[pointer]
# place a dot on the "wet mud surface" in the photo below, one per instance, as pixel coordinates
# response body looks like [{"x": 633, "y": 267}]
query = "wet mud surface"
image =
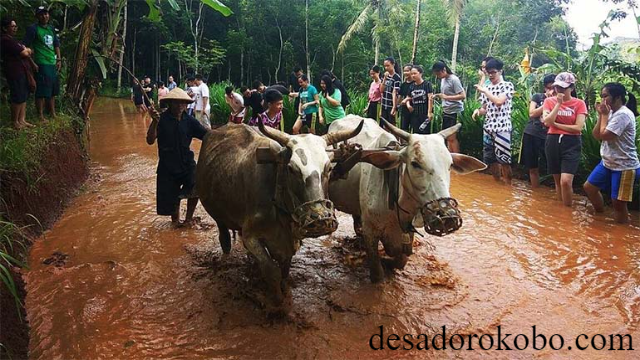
[{"x": 113, "y": 280}]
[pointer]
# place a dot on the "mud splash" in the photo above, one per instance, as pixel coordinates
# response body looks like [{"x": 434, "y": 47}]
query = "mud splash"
[{"x": 113, "y": 280}]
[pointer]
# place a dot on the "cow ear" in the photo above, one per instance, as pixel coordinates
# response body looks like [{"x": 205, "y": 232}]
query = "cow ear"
[
  {"x": 463, "y": 164},
  {"x": 385, "y": 160}
]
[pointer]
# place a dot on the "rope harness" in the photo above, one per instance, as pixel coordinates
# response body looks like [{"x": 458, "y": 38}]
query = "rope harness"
[{"x": 310, "y": 219}]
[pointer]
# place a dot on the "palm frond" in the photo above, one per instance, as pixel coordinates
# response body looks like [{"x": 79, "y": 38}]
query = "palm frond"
[
  {"x": 454, "y": 9},
  {"x": 354, "y": 28}
]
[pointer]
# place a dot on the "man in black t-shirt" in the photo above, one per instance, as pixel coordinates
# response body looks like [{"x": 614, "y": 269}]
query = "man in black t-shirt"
[
  {"x": 253, "y": 99},
  {"x": 294, "y": 87}
]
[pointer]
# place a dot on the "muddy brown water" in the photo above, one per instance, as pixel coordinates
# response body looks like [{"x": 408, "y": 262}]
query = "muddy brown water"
[{"x": 112, "y": 280}]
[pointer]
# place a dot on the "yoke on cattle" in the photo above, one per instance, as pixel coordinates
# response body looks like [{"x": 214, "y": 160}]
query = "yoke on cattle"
[{"x": 346, "y": 156}]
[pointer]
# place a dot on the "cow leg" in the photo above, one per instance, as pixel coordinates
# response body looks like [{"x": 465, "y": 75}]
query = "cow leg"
[
  {"x": 357, "y": 225},
  {"x": 270, "y": 270},
  {"x": 376, "y": 273},
  {"x": 224, "y": 237}
]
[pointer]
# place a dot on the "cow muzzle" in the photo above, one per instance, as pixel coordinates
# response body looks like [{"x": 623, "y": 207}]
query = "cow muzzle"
[
  {"x": 441, "y": 216},
  {"x": 315, "y": 218}
]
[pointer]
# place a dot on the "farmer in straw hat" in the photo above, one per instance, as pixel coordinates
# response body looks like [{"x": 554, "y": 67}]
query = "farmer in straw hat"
[{"x": 176, "y": 172}]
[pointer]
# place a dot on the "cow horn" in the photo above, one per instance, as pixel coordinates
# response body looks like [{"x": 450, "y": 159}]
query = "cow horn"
[
  {"x": 336, "y": 137},
  {"x": 395, "y": 131},
  {"x": 450, "y": 130},
  {"x": 277, "y": 135}
]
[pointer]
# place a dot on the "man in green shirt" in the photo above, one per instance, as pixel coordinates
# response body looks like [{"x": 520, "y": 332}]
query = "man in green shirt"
[{"x": 42, "y": 38}]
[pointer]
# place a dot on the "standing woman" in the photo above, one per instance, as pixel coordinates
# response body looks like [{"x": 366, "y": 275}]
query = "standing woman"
[
  {"x": 389, "y": 88},
  {"x": 374, "y": 93},
  {"x": 14, "y": 65},
  {"x": 619, "y": 168},
  {"x": 405, "y": 88},
  {"x": 564, "y": 115},
  {"x": 330, "y": 107},
  {"x": 452, "y": 94},
  {"x": 308, "y": 105},
  {"x": 420, "y": 102}
]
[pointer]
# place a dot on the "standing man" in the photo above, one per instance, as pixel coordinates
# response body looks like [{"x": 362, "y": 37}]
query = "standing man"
[
  {"x": 389, "y": 88},
  {"x": 203, "y": 108},
  {"x": 253, "y": 99},
  {"x": 148, "y": 89},
  {"x": 42, "y": 38},
  {"x": 176, "y": 174},
  {"x": 192, "y": 91},
  {"x": 171, "y": 84},
  {"x": 294, "y": 86},
  {"x": 496, "y": 105},
  {"x": 236, "y": 103}
]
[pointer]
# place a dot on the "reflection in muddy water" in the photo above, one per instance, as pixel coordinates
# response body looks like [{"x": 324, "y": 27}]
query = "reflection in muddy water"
[{"x": 124, "y": 284}]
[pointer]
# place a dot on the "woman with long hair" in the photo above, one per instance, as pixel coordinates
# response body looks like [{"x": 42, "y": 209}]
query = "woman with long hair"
[
  {"x": 452, "y": 94},
  {"x": 330, "y": 107},
  {"x": 620, "y": 167},
  {"x": 389, "y": 88},
  {"x": 14, "y": 65},
  {"x": 419, "y": 102},
  {"x": 374, "y": 93},
  {"x": 564, "y": 115},
  {"x": 404, "y": 97}
]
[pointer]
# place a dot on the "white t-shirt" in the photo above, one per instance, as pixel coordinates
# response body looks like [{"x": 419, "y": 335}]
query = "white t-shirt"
[
  {"x": 620, "y": 153},
  {"x": 498, "y": 118},
  {"x": 203, "y": 92},
  {"x": 236, "y": 104},
  {"x": 196, "y": 92}
]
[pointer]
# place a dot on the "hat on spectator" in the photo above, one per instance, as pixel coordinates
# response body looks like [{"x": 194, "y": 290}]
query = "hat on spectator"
[
  {"x": 41, "y": 10},
  {"x": 178, "y": 95},
  {"x": 565, "y": 80}
]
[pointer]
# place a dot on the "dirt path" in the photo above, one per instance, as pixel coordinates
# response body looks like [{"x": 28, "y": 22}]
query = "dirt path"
[{"x": 113, "y": 280}]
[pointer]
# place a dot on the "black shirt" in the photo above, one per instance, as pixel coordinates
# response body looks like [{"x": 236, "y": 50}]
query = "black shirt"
[
  {"x": 420, "y": 97},
  {"x": 255, "y": 102},
  {"x": 174, "y": 143},
  {"x": 390, "y": 83},
  {"x": 293, "y": 82},
  {"x": 345, "y": 97},
  {"x": 137, "y": 94},
  {"x": 535, "y": 127}
]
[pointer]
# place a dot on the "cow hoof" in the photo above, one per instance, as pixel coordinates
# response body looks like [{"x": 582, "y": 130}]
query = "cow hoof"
[
  {"x": 376, "y": 274},
  {"x": 400, "y": 261},
  {"x": 225, "y": 242}
]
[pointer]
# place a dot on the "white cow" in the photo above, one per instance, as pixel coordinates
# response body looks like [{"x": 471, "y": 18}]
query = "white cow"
[{"x": 422, "y": 166}]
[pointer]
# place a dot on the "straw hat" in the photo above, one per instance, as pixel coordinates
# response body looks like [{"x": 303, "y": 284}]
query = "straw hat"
[{"x": 177, "y": 94}]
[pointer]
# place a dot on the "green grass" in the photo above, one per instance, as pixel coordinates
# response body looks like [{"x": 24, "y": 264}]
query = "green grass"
[
  {"x": 21, "y": 150},
  {"x": 13, "y": 248}
]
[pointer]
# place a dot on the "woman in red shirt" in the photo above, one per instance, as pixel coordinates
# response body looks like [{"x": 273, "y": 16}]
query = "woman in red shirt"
[{"x": 564, "y": 115}]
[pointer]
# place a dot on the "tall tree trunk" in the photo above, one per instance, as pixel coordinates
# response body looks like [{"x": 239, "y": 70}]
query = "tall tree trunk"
[
  {"x": 64, "y": 21},
  {"x": 79, "y": 65},
  {"x": 133, "y": 50},
  {"x": 635, "y": 16},
  {"x": 306, "y": 36},
  {"x": 454, "y": 52},
  {"x": 415, "y": 33},
  {"x": 124, "y": 43},
  {"x": 242, "y": 65},
  {"x": 279, "y": 53},
  {"x": 494, "y": 39}
]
